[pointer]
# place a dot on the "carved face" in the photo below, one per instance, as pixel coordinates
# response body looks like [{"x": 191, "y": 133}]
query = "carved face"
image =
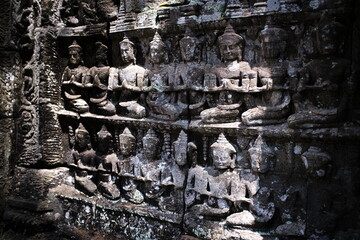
[
  {"x": 127, "y": 52},
  {"x": 157, "y": 54},
  {"x": 222, "y": 158},
  {"x": 127, "y": 147},
  {"x": 82, "y": 141},
  {"x": 180, "y": 154},
  {"x": 101, "y": 57},
  {"x": 105, "y": 144},
  {"x": 188, "y": 49},
  {"x": 74, "y": 57},
  {"x": 328, "y": 40},
  {"x": 150, "y": 150},
  {"x": 230, "y": 50},
  {"x": 272, "y": 49}
]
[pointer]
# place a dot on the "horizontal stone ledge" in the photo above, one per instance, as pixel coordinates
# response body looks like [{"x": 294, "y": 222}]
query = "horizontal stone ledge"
[
  {"x": 120, "y": 120},
  {"x": 232, "y": 129},
  {"x": 83, "y": 31},
  {"x": 69, "y": 193}
]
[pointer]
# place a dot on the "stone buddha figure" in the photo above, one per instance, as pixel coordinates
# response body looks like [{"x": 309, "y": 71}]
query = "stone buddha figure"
[
  {"x": 84, "y": 156},
  {"x": 98, "y": 77},
  {"x": 272, "y": 105},
  {"x": 162, "y": 103},
  {"x": 108, "y": 164},
  {"x": 132, "y": 81},
  {"x": 151, "y": 167},
  {"x": 73, "y": 81},
  {"x": 174, "y": 175},
  {"x": 223, "y": 189},
  {"x": 129, "y": 167},
  {"x": 228, "y": 76},
  {"x": 317, "y": 101},
  {"x": 190, "y": 74}
]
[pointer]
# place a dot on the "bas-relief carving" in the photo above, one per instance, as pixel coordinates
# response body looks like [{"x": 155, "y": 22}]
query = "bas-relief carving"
[
  {"x": 317, "y": 101},
  {"x": 272, "y": 106},
  {"x": 75, "y": 12},
  {"x": 73, "y": 81},
  {"x": 228, "y": 193},
  {"x": 163, "y": 103},
  {"x": 130, "y": 81},
  {"x": 163, "y": 170}
]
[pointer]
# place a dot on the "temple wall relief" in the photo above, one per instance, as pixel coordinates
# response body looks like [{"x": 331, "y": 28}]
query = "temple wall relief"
[{"x": 188, "y": 119}]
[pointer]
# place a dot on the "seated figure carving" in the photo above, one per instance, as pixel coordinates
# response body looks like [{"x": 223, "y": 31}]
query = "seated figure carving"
[
  {"x": 317, "y": 101},
  {"x": 98, "y": 77},
  {"x": 220, "y": 186},
  {"x": 226, "y": 196},
  {"x": 73, "y": 81},
  {"x": 151, "y": 168},
  {"x": 84, "y": 156},
  {"x": 190, "y": 74},
  {"x": 129, "y": 167},
  {"x": 228, "y": 76},
  {"x": 273, "y": 105},
  {"x": 131, "y": 82},
  {"x": 174, "y": 176},
  {"x": 108, "y": 164},
  {"x": 162, "y": 103}
]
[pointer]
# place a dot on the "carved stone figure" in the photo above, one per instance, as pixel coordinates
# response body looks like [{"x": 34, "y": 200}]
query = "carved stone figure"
[
  {"x": 162, "y": 103},
  {"x": 190, "y": 74},
  {"x": 107, "y": 163},
  {"x": 260, "y": 155},
  {"x": 228, "y": 76},
  {"x": 221, "y": 185},
  {"x": 317, "y": 102},
  {"x": 316, "y": 161},
  {"x": 273, "y": 105},
  {"x": 98, "y": 78},
  {"x": 132, "y": 81},
  {"x": 174, "y": 175},
  {"x": 84, "y": 156},
  {"x": 73, "y": 81},
  {"x": 75, "y": 12},
  {"x": 152, "y": 166},
  {"x": 129, "y": 167}
]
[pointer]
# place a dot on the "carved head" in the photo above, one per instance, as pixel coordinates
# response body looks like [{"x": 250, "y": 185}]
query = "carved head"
[
  {"x": 189, "y": 46},
  {"x": 273, "y": 42},
  {"x": 101, "y": 52},
  {"x": 151, "y": 145},
  {"x": 127, "y": 142},
  {"x": 82, "y": 139},
  {"x": 260, "y": 155},
  {"x": 180, "y": 149},
  {"x": 158, "y": 50},
  {"x": 329, "y": 37},
  {"x": 127, "y": 51},
  {"x": 105, "y": 140},
  {"x": 230, "y": 45},
  {"x": 75, "y": 53},
  {"x": 223, "y": 153},
  {"x": 316, "y": 161}
]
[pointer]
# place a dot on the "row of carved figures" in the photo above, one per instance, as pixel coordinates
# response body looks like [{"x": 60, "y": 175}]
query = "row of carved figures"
[
  {"x": 219, "y": 188},
  {"x": 227, "y": 92},
  {"x": 148, "y": 177}
]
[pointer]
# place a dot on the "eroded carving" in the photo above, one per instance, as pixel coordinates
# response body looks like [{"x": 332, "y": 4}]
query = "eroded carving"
[
  {"x": 73, "y": 81},
  {"x": 131, "y": 82}
]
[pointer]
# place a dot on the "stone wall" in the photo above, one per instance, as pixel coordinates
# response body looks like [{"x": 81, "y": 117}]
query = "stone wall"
[{"x": 229, "y": 119}]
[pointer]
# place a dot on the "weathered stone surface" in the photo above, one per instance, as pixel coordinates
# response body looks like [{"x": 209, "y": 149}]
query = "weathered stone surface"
[{"x": 180, "y": 119}]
